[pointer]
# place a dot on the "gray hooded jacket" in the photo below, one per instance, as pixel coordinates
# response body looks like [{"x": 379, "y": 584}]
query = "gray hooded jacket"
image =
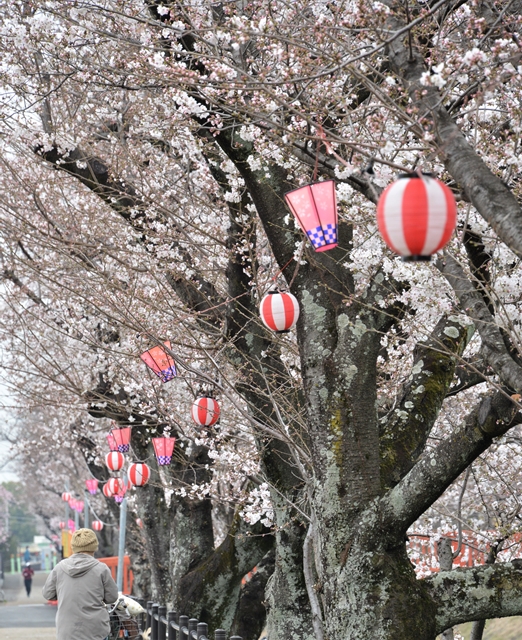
[{"x": 81, "y": 584}]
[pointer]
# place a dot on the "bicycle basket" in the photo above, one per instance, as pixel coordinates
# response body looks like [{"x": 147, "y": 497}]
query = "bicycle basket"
[{"x": 123, "y": 628}]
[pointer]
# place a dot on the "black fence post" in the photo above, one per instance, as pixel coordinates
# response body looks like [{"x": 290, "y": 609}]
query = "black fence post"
[
  {"x": 220, "y": 634},
  {"x": 154, "y": 622},
  {"x": 148, "y": 622},
  {"x": 202, "y": 630},
  {"x": 192, "y": 627},
  {"x": 162, "y": 626},
  {"x": 171, "y": 620},
  {"x": 183, "y": 627}
]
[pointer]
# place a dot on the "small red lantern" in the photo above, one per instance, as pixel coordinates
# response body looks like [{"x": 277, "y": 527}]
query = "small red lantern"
[
  {"x": 122, "y": 438},
  {"x": 79, "y": 505},
  {"x": 92, "y": 486},
  {"x": 97, "y": 525},
  {"x": 279, "y": 311},
  {"x": 66, "y": 496},
  {"x": 315, "y": 208},
  {"x": 114, "y": 460},
  {"x": 163, "y": 448},
  {"x": 113, "y": 445},
  {"x": 139, "y": 474},
  {"x": 205, "y": 411},
  {"x": 107, "y": 491},
  {"x": 139, "y": 522},
  {"x": 416, "y": 216},
  {"x": 62, "y": 525},
  {"x": 160, "y": 362},
  {"x": 115, "y": 485}
]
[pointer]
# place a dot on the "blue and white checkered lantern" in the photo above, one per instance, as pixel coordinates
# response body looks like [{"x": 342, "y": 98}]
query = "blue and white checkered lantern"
[{"x": 315, "y": 208}]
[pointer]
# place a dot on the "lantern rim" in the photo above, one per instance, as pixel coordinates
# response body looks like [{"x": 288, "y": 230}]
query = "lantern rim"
[
  {"x": 416, "y": 258},
  {"x": 414, "y": 174},
  {"x": 309, "y": 184}
]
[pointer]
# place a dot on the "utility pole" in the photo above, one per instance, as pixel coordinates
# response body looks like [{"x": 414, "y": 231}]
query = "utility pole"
[{"x": 121, "y": 546}]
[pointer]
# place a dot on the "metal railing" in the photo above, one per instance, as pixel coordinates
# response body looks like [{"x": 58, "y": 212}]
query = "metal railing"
[{"x": 168, "y": 625}]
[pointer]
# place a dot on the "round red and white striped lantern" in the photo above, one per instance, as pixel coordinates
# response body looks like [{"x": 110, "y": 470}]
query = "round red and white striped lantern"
[
  {"x": 279, "y": 311},
  {"x": 139, "y": 474},
  {"x": 66, "y": 496},
  {"x": 205, "y": 411},
  {"x": 114, "y": 460},
  {"x": 97, "y": 525},
  {"x": 107, "y": 491},
  {"x": 62, "y": 525},
  {"x": 416, "y": 216},
  {"x": 115, "y": 485},
  {"x": 139, "y": 522}
]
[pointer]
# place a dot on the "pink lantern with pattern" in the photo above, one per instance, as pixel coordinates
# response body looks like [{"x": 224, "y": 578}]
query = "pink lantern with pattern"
[
  {"x": 315, "y": 208},
  {"x": 92, "y": 486},
  {"x": 122, "y": 438},
  {"x": 416, "y": 216},
  {"x": 163, "y": 448},
  {"x": 139, "y": 474},
  {"x": 113, "y": 445},
  {"x": 205, "y": 411},
  {"x": 159, "y": 361}
]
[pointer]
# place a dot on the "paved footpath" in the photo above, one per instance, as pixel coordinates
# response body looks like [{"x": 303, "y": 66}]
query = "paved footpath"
[{"x": 26, "y": 618}]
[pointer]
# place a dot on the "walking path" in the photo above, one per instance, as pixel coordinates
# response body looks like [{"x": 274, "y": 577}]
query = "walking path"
[{"x": 26, "y": 618}]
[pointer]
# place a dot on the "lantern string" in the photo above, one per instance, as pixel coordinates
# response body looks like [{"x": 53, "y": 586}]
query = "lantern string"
[{"x": 282, "y": 269}]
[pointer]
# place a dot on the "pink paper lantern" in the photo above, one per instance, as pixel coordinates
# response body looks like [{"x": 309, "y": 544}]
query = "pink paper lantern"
[
  {"x": 122, "y": 438},
  {"x": 97, "y": 525},
  {"x": 139, "y": 474},
  {"x": 92, "y": 486},
  {"x": 114, "y": 460},
  {"x": 315, "y": 208},
  {"x": 279, "y": 311},
  {"x": 72, "y": 503},
  {"x": 416, "y": 216},
  {"x": 71, "y": 526},
  {"x": 159, "y": 361},
  {"x": 79, "y": 505},
  {"x": 163, "y": 448},
  {"x": 205, "y": 411},
  {"x": 113, "y": 445}
]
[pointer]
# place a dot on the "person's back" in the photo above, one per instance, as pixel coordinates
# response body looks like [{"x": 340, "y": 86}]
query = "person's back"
[{"x": 82, "y": 585}]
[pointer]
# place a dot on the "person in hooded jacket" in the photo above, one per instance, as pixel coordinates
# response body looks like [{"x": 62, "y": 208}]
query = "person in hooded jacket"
[{"x": 82, "y": 585}]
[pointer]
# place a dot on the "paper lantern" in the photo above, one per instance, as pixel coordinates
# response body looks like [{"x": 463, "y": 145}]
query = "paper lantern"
[
  {"x": 139, "y": 474},
  {"x": 62, "y": 525},
  {"x": 114, "y": 485},
  {"x": 66, "y": 496},
  {"x": 205, "y": 411},
  {"x": 92, "y": 486},
  {"x": 139, "y": 522},
  {"x": 122, "y": 438},
  {"x": 114, "y": 460},
  {"x": 107, "y": 492},
  {"x": 72, "y": 503},
  {"x": 279, "y": 311},
  {"x": 416, "y": 216},
  {"x": 315, "y": 208},
  {"x": 163, "y": 448},
  {"x": 160, "y": 362},
  {"x": 113, "y": 445},
  {"x": 79, "y": 505},
  {"x": 97, "y": 525}
]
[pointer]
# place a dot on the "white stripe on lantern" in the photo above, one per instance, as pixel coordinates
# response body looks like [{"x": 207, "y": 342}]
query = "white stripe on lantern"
[
  {"x": 437, "y": 215},
  {"x": 278, "y": 311},
  {"x": 393, "y": 217}
]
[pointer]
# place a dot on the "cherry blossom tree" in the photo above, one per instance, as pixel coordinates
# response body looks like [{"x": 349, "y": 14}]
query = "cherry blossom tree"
[{"x": 147, "y": 148}]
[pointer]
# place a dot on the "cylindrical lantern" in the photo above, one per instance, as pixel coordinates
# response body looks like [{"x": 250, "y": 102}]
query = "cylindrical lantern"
[
  {"x": 72, "y": 503},
  {"x": 114, "y": 460},
  {"x": 139, "y": 474},
  {"x": 115, "y": 485},
  {"x": 107, "y": 491},
  {"x": 159, "y": 361},
  {"x": 113, "y": 445},
  {"x": 66, "y": 496},
  {"x": 279, "y": 311},
  {"x": 97, "y": 525},
  {"x": 416, "y": 216},
  {"x": 79, "y": 506},
  {"x": 92, "y": 486},
  {"x": 205, "y": 411},
  {"x": 315, "y": 208},
  {"x": 163, "y": 448},
  {"x": 122, "y": 438}
]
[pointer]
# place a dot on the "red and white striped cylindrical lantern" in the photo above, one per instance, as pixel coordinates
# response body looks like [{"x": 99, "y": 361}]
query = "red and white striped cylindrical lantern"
[
  {"x": 163, "y": 448},
  {"x": 66, "y": 496},
  {"x": 139, "y": 474},
  {"x": 97, "y": 525},
  {"x": 62, "y": 525},
  {"x": 92, "y": 486},
  {"x": 115, "y": 460},
  {"x": 107, "y": 492},
  {"x": 205, "y": 411},
  {"x": 115, "y": 485},
  {"x": 416, "y": 216},
  {"x": 279, "y": 311}
]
